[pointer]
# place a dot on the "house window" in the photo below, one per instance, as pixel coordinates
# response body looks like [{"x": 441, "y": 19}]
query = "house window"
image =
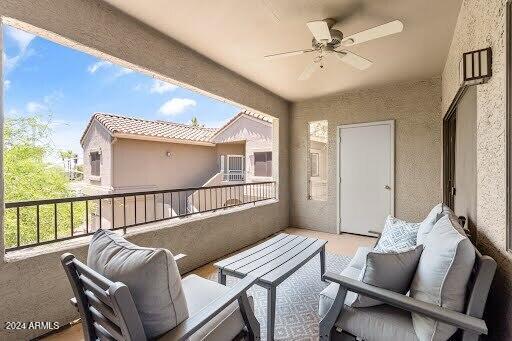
[
  {"x": 95, "y": 163},
  {"x": 315, "y": 157},
  {"x": 263, "y": 164},
  {"x": 317, "y": 164}
]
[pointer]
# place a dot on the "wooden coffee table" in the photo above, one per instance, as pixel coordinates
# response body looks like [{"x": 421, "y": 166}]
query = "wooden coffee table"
[{"x": 272, "y": 262}]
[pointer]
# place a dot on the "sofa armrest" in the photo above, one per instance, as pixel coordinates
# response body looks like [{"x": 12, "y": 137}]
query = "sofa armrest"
[
  {"x": 188, "y": 327},
  {"x": 459, "y": 320}
]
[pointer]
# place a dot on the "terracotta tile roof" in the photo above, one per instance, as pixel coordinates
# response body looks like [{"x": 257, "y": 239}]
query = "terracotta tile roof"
[
  {"x": 244, "y": 113},
  {"x": 247, "y": 113},
  {"x": 164, "y": 129}
]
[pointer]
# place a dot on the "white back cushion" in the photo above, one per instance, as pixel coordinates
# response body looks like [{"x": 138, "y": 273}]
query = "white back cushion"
[
  {"x": 434, "y": 215},
  {"x": 442, "y": 275},
  {"x": 151, "y": 275}
]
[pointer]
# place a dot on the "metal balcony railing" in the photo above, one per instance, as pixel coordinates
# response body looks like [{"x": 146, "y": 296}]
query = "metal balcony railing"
[
  {"x": 37, "y": 222},
  {"x": 233, "y": 176}
]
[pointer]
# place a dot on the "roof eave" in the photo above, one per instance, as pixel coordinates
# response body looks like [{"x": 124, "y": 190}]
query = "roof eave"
[{"x": 161, "y": 139}]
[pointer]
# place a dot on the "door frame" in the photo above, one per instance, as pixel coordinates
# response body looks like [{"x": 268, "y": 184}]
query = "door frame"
[
  {"x": 391, "y": 123},
  {"x": 448, "y": 164}
]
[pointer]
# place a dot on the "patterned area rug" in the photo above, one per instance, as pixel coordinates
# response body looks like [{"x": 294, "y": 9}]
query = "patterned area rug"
[{"x": 297, "y": 300}]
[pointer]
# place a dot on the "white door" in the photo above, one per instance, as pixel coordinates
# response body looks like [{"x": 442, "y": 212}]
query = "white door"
[{"x": 366, "y": 176}]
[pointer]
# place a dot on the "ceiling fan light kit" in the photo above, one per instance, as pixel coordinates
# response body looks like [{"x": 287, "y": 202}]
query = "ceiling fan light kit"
[{"x": 326, "y": 40}]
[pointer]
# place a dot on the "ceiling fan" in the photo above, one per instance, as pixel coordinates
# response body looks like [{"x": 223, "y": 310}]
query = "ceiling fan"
[{"x": 327, "y": 40}]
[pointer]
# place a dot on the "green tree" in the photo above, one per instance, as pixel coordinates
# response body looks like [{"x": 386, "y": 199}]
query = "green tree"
[
  {"x": 66, "y": 154},
  {"x": 29, "y": 176},
  {"x": 194, "y": 122}
]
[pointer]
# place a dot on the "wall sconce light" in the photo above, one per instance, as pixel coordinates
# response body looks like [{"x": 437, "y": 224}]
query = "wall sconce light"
[
  {"x": 475, "y": 67},
  {"x": 168, "y": 154}
]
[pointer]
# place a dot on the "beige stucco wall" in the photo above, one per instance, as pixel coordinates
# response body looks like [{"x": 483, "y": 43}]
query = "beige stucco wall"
[
  {"x": 481, "y": 24},
  {"x": 98, "y": 139},
  {"x": 415, "y": 107},
  {"x": 35, "y": 289},
  {"x": 144, "y": 165}
]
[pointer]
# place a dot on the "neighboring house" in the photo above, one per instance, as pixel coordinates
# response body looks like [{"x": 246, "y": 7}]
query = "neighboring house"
[{"x": 126, "y": 154}]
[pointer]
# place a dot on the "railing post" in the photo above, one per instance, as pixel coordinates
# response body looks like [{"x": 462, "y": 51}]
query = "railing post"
[
  {"x": 37, "y": 223},
  {"x": 18, "y": 226},
  {"x": 100, "y": 213},
  {"x": 71, "y": 217}
]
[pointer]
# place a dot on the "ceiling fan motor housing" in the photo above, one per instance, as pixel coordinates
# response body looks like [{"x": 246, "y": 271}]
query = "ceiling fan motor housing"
[{"x": 336, "y": 38}]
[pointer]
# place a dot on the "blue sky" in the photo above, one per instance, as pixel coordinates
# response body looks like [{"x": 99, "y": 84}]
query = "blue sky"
[{"x": 43, "y": 78}]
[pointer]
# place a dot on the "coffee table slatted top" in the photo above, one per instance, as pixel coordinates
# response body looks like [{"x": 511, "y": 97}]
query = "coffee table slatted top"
[{"x": 273, "y": 260}]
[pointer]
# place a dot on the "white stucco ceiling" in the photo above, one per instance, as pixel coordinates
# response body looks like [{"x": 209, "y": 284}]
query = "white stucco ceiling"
[{"x": 237, "y": 34}]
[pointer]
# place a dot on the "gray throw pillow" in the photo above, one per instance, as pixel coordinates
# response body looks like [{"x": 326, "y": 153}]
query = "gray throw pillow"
[
  {"x": 397, "y": 236},
  {"x": 434, "y": 215},
  {"x": 393, "y": 271},
  {"x": 150, "y": 274},
  {"x": 442, "y": 275}
]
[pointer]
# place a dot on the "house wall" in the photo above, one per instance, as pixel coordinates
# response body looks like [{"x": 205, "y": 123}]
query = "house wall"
[
  {"x": 34, "y": 287},
  {"x": 481, "y": 23},
  {"x": 245, "y": 129},
  {"x": 415, "y": 107},
  {"x": 144, "y": 165},
  {"x": 229, "y": 149},
  {"x": 257, "y": 135},
  {"x": 96, "y": 139}
]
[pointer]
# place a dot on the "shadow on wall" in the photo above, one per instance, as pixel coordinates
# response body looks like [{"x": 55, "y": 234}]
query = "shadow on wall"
[{"x": 498, "y": 312}]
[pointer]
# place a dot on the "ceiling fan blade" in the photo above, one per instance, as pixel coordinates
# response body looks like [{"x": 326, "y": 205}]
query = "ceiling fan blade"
[
  {"x": 320, "y": 30},
  {"x": 308, "y": 71},
  {"x": 287, "y": 54},
  {"x": 354, "y": 60},
  {"x": 374, "y": 33}
]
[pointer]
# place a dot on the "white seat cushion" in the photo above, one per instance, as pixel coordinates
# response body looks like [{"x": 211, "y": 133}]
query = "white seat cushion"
[
  {"x": 379, "y": 323},
  {"x": 359, "y": 259},
  {"x": 442, "y": 275},
  {"x": 328, "y": 295},
  {"x": 151, "y": 274},
  {"x": 200, "y": 292}
]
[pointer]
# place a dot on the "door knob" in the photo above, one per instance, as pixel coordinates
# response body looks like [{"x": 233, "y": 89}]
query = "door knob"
[{"x": 387, "y": 187}]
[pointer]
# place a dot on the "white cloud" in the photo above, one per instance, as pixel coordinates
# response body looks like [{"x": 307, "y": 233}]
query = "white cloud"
[
  {"x": 161, "y": 87},
  {"x": 122, "y": 71},
  {"x": 35, "y": 107},
  {"x": 7, "y": 84},
  {"x": 22, "y": 39},
  {"x": 98, "y": 65},
  {"x": 176, "y": 106},
  {"x": 116, "y": 70}
]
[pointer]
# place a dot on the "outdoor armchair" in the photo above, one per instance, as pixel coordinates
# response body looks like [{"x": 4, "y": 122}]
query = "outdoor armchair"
[{"x": 108, "y": 310}]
